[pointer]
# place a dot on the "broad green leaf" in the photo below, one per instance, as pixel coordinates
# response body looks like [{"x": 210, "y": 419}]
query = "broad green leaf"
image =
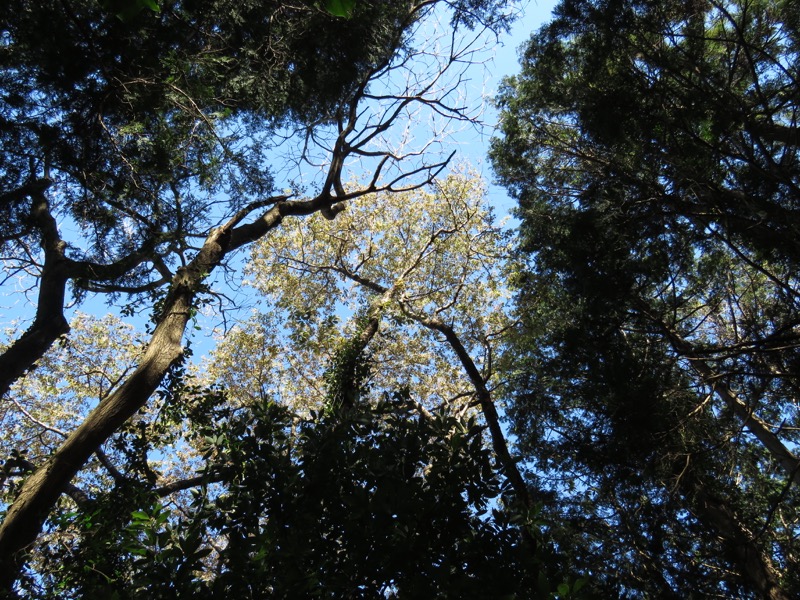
[{"x": 340, "y": 8}]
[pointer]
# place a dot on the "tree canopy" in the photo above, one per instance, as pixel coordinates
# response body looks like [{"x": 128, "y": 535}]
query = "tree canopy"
[
  {"x": 281, "y": 172},
  {"x": 653, "y": 149},
  {"x": 144, "y": 144}
]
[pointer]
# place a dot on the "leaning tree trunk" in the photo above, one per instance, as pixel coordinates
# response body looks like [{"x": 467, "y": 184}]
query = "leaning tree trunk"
[
  {"x": 27, "y": 514},
  {"x": 57, "y": 270},
  {"x": 49, "y": 323},
  {"x": 740, "y": 545}
]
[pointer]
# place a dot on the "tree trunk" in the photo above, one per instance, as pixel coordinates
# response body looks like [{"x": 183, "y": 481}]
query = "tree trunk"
[
  {"x": 50, "y": 322},
  {"x": 27, "y": 514},
  {"x": 754, "y": 565},
  {"x": 760, "y": 430}
]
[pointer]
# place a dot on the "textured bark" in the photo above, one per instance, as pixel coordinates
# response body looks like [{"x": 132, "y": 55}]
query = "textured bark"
[
  {"x": 49, "y": 323},
  {"x": 488, "y": 408},
  {"x": 499, "y": 444},
  {"x": 483, "y": 394},
  {"x": 754, "y": 565},
  {"x": 484, "y": 397},
  {"x": 27, "y": 514},
  {"x": 760, "y": 430},
  {"x": 25, "y": 517}
]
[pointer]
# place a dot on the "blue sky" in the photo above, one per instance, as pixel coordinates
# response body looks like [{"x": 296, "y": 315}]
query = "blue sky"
[{"x": 472, "y": 147}]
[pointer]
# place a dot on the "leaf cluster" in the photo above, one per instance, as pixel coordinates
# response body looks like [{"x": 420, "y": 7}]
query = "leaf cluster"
[
  {"x": 651, "y": 148},
  {"x": 378, "y": 502}
]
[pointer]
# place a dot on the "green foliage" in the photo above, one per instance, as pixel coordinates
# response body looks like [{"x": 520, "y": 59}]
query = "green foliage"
[
  {"x": 125, "y": 10},
  {"x": 446, "y": 257},
  {"x": 142, "y": 122},
  {"x": 652, "y": 148},
  {"x": 378, "y": 502},
  {"x": 347, "y": 376},
  {"x": 340, "y": 8},
  {"x": 131, "y": 130}
]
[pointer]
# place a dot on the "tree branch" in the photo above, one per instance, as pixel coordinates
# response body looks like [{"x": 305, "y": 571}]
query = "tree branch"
[
  {"x": 788, "y": 461},
  {"x": 49, "y": 323}
]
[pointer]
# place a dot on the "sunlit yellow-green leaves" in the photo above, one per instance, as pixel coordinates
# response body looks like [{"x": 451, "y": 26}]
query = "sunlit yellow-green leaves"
[
  {"x": 68, "y": 381},
  {"x": 439, "y": 252}
]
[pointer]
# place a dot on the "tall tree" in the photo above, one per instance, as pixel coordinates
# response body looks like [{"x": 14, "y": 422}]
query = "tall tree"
[
  {"x": 148, "y": 135},
  {"x": 439, "y": 275},
  {"x": 425, "y": 300},
  {"x": 381, "y": 502},
  {"x": 653, "y": 149}
]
